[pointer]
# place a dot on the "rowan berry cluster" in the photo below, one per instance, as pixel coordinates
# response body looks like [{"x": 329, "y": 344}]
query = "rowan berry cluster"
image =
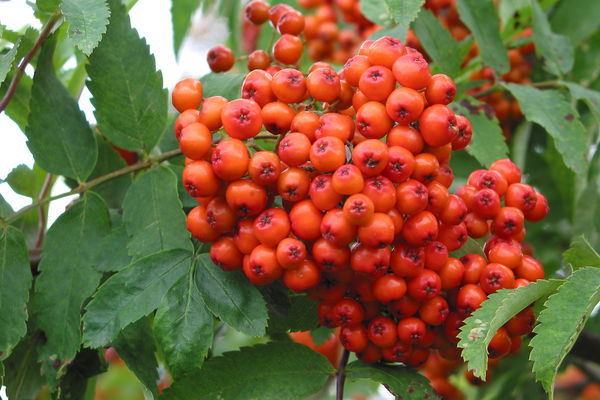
[{"x": 353, "y": 204}]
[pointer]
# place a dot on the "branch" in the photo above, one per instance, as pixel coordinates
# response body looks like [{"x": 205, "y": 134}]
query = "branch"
[
  {"x": 341, "y": 376},
  {"x": 39, "y": 238},
  {"x": 82, "y": 188},
  {"x": 28, "y": 57}
]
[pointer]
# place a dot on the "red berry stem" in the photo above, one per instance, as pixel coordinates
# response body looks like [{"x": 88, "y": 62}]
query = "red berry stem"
[{"x": 341, "y": 375}]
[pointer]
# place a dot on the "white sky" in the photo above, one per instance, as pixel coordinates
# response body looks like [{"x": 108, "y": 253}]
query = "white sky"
[{"x": 152, "y": 19}]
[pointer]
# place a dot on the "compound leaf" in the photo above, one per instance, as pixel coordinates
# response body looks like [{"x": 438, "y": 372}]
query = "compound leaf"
[{"x": 556, "y": 49}]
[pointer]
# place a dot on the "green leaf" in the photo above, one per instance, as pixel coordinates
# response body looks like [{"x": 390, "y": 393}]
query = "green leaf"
[
  {"x": 471, "y": 246},
  {"x": 132, "y": 293},
  {"x": 181, "y": 16},
  {"x": 67, "y": 276},
  {"x": 184, "y": 327},
  {"x": 87, "y": 20},
  {"x": 128, "y": 94},
  {"x": 231, "y": 297},
  {"x": 560, "y": 323},
  {"x": 6, "y": 61},
  {"x": 153, "y": 216},
  {"x": 487, "y": 144},
  {"x": 26, "y": 181},
  {"x": 22, "y": 378},
  {"x": 375, "y": 11},
  {"x": 18, "y": 108},
  {"x": 112, "y": 191},
  {"x": 402, "y": 382},
  {"x": 438, "y": 43},
  {"x": 135, "y": 345},
  {"x": 75, "y": 382},
  {"x": 552, "y": 110},
  {"x": 482, "y": 20},
  {"x": 576, "y": 19},
  {"x": 112, "y": 253},
  {"x": 557, "y": 50},
  {"x": 186, "y": 200},
  {"x": 272, "y": 371},
  {"x": 402, "y": 13},
  {"x": 581, "y": 254},
  {"x": 15, "y": 281},
  {"x": 226, "y": 84},
  {"x": 301, "y": 315},
  {"x": 507, "y": 8},
  {"x": 589, "y": 96},
  {"x": 58, "y": 134},
  {"x": 480, "y": 327}
]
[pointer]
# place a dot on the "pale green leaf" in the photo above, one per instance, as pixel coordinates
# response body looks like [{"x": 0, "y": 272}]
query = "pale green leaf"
[
  {"x": 376, "y": 11},
  {"x": 552, "y": 110},
  {"x": 231, "y": 297},
  {"x": 401, "y": 381},
  {"x": 482, "y": 20},
  {"x": 87, "y": 20},
  {"x": 272, "y": 371},
  {"x": 132, "y": 293},
  {"x": 226, "y": 84},
  {"x": 581, "y": 254},
  {"x": 557, "y": 50},
  {"x": 6, "y": 61},
  {"x": 183, "y": 327},
  {"x": 403, "y": 13},
  {"x": 589, "y": 96},
  {"x": 181, "y": 17},
  {"x": 15, "y": 281},
  {"x": 560, "y": 323},
  {"x": 576, "y": 19},
  {"x": 480, "y": 327},
  {"x": 128, "y": 96}
]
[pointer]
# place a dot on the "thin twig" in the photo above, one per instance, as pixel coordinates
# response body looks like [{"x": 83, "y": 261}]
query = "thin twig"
[
  {"x": 46, "y": 187},
  {"x": 279, "y": 139},
  {"x": 82, "y": 188},
  {"x": 28, "y": 57},
  {"x": 341, "y": 376},
  {"x": 265, "y": 137}
]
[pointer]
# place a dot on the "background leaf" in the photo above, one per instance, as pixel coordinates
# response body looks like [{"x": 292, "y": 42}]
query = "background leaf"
[
  {"x": 480, "y": 327},
  {"x": 487, "y": 144},
  {"x": 152, "y": 214},
  {"x": 135, "y": 345},
  {"x": 6, "y": 61},
  {"x": 581, "y": 254},
  {"x": 58, "y": 134},
  {"x": 15, "y": 281},
  {"x": 438, "y": 43},
  {"x": 18, "y": 108},
  {"x": 128, "y": 96},
  {"x": 181, "y": 16},
  {"x": 26, "y": 181},
  {"x": 226, "y": 84},
  {"x": 401, "y": 381},
  {"x": 576, "y": 19},
  {"x": 184, "y": 327},
  {"x": 552, "y": 110},
  {"x": 376, "y": 11},
  {"x": 132, "y": 293},
  {"x": 87, "y": 20},
  {"x": 560, "y": 323},
  {"x": 556, "y": 49},
  {"x": 231, "y": 297},
  {"x": 403, "y": 13},
  {"x": 482, "y": 20},
  {"x": 67, "y": 276},
  {"x": 272, "y": 371},
  {"x": 112, "y": 191},
  {"x": 22, "y": 376}
]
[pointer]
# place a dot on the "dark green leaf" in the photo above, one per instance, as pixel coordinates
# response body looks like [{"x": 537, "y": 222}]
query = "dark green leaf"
[
  {"x": 131, "y": 104},
  {"x": 67, "y": 276},
  {"x": 301, "y": 315},
  {"x": 135, "y": 345},
  {"x": 132, "y": 293},
  {"x": 482, "y": 20},
  {"x": 6, "y": 61},
  {"x": 58, "y": 134},
  {"x": 152, "y": 214},
  {"x": 557, "y": 50},
  {"x": 581, "y": 254},
  {"x": 181, "y": 16},
  {"x": 26, "y": 181},
  {"x": 321, "y": 334},
  {"x": 112, "y": 253},
  {"x": 487, "y": 144},
  {"x": 15, "y": 281},
  {"x": 22, "y": 379},
  {"x": 552, "y": 110},
  {"x": 471, "y": 246},
  {"x": 183, "y": 327},
  {"x": 87, "y": 20},
  {"x": 75, "y": 382},
  {"x": 401, "y": 381},
  {"x": 576, "y": 19},
  {"x": 113, "y": 191},
  {"x": 224, "y": 84},
  {"x": 5, "y": 208},
  {"x": 18, "y": 108},
  {"x": 560, "y": 323},
  {"x": 47, "y": 6},
  {"x": 589, "y": 96},
  {"x": 438, "y": 43},
  {"x": 186, "y": 200},
  {"x": 480, "y": 327},
  {"x": 231, "y": 297},
  {"x": 272, "y": 371}
]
